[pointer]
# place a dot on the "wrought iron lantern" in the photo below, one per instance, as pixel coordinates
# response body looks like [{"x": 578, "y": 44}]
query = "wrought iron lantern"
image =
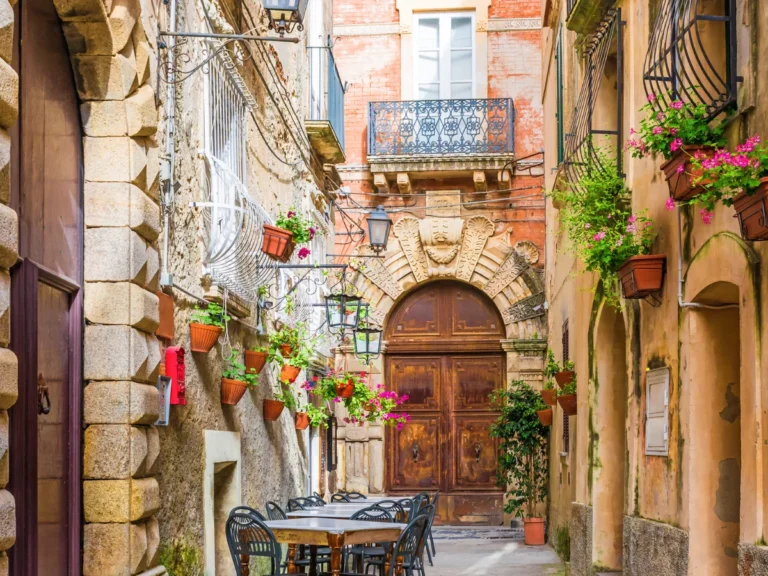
[
  {"x": 379, "y": 225},
  {"x": 285, "y": 14},
  {"x": 342, "y": 311},
  {"x": 367, "y": 343}
]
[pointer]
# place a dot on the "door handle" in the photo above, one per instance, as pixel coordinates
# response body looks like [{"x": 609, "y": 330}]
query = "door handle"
[
  {"x": 415, "y": 452},
  {"x": 478, "y": 450},
  {"x": 43, "y": 399}
]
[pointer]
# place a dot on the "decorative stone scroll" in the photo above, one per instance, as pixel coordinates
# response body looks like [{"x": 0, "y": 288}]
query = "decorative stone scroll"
[
  {"x": 407, "y": 232},
  {"x": 528, "y": 250},
  {"x": 479, "y": 229},
  {"x": 376, "y": 272},
  {"x": 507, "y": 273},
  {"x": 525, "y": 309}
]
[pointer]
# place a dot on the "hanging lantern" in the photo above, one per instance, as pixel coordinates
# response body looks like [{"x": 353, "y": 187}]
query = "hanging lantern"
[
  {"x": 342, "y": 311},
  {"x": 367, "y": 343},
  {"x": 379, "y": 225},
  {"x": 285, "y": 14}
]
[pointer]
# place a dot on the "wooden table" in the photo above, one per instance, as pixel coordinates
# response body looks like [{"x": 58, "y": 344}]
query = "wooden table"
[{"x": 333, "y": 533}]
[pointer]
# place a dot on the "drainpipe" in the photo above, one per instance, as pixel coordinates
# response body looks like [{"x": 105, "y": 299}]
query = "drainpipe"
[
  {"x": 169, "y": 159},
  {"x": 680, "y": 278}
]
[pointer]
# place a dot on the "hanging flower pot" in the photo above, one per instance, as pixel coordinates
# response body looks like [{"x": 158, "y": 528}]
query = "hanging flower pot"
[
  {"x": 533, "y": 530},
  {"x": 255, "y": 361},
  {"x": 568, "y": 404},
  {"x": 345, "y": 390},
  {"x": 680, "y": 180},
  {"x": 564, "y": 378},
  {"x": 549, "y": 397},
  {"x": 286, "y": 350},
  {"x": 752, "y": 212},
  {"x": 289, "y": 373},
  {"x": 642, "y": 275},
  {"x": 232, "y": 391},
  {"x": 273, "y": 409},
  {"x": 277, "y": 243},
  {"x": 203, "y": 337},
  {"x": 545, "y": 416},
  {"x": 302, "y": 420}
]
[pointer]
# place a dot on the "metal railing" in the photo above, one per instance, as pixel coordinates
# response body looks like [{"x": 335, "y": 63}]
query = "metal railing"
[
  {"x": 691, "y": 57},
  {"x": 326, "y": 90},
  {"x": 441, "y": 127}
]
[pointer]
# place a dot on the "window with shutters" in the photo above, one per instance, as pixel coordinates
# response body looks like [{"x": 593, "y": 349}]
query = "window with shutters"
[
  {"x": 566, "y": 421},
  {"x": 657, "y": 412}
]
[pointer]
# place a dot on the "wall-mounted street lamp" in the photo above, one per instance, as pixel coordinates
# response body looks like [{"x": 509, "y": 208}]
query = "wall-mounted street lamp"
[
  {"x": 342, "y": 311},
  {"x": 367, "y": 343},
  {"x": 379, "y": 225},
  {"x": 284, "y": 15}
]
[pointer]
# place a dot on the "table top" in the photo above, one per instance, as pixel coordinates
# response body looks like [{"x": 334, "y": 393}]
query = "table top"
[
  {"x": 342, "y": 512},
  {"x": 318, "y": 530}
]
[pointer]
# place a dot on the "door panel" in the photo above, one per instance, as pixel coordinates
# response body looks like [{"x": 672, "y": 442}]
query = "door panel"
[
  {"x": 470, "y": 315},
  {"x": 418, "y": 317},
  {"x": 474, "y": 378},
  {"x": 475, "y": 454},
  {"x": 417, "y": 446},
  {"x": 419, "y": 378}
]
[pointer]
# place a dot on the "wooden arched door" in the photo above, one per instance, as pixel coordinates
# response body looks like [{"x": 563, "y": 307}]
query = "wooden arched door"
[{"x": 444, "y": 351}]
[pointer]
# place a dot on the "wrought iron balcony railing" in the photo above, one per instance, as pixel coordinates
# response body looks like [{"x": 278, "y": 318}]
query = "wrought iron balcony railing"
[{"x": 480, "y": 127}]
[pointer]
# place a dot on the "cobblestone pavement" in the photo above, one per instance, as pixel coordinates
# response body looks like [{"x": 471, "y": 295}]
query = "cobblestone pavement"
[{"x": 490, "y": 552}]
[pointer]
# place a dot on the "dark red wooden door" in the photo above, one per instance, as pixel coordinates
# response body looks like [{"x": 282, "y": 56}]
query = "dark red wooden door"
[
  {"x": 46, "y": 311},
  {"x": 444, "y": 351}
]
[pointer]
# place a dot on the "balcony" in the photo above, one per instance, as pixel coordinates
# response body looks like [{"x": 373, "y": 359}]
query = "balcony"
[
  {"x": 422, "y": 137},
  {"x": 325, "y": 124},
  {"x": 585, "y": 15}
]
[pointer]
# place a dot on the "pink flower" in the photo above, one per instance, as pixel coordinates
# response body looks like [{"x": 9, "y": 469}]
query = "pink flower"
[
  {"x": 657, "y": 130},
  {"x": 709, "y": 163},
  {"x": 631, "y": 228},
  {"x": 673, "y": 131},
  {"x": 599, "y": 236},
  {"x": 632, "y": 131},
  {"x": 651, "y": 97},
  {"x": 676, "y": 144},
  {"x": 290, "y": 214},
  {"x": 620, "y": 241},
  {"x": 677, "y": 105},
  {"x": 681, "y": 169},
  {"x": 312, "y": 232},
  {"x": 660, "y": 117},
  {"x": 303, "y": 252},
  {"x": 587, "y": 226},
  {"x": 670, "y": 205},
  {"x": 740, "y": 161},
  {"x": 706, "y": 216},
  {"x": 632, "y": 219}
]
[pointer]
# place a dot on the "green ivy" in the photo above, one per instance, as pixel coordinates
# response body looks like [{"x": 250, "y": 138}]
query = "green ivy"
[{"x": 181, "y": 559}]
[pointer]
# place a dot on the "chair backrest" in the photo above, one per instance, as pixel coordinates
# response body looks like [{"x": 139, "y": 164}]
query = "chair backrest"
[
  {"x": 397, "y": 511},
  {"x": 428, "y": 512},
  {"x": 419, "y": 501},
  {"x": 407, "y": 545},
  {"x": 247, "y": 510},
  {"x": 356, "y": 496},
  {"x": 317, "y": 495},
  {"x": 372, "y": 514},
  {"x": 295, "y": 504},
  {"x": 248, "y": 536},
  {"x": 316, "y": 501},
  {"x": 275, "y": 512},
  {"x": 434, "y": 498},
  {"x": 408, "y": 505},
  {"x": 340, "y": 498}
]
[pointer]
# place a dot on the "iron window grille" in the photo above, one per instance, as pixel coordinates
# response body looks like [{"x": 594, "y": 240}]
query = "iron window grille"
[
  {"x": 441, "y": 127},
  {"x": 579, "y": 141},
  {"x": 690, "y": 58}
]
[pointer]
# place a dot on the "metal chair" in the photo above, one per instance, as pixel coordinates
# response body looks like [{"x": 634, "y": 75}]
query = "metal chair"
[
  {"x": 275, "y": 512},
  {"x": 360, "y": 553},
  {"x": 248, "y": 510},
  {"x": 356, "y": 496},
  {"x": 406, "y": 549},
  {"x": 318, "y": 496},
  {"x": 248, "y": 536},
  {"x": 338, "y": 497},
  {"x": 407, "y": 505},
  {"x": 395, "y": 509},
  {"x": 431, "y": 539},
  {"x": 295, "y": 504},
  {"x": 319, "y": 502}
]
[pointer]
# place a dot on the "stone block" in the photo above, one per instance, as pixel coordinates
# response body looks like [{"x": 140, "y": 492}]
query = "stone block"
[
  {"x": 103, "y": 77},
  {"x": 6, "y": 31},
  {"x": 9, "y": 378},
  {"x": 150, "y": 277},
  {"x": 81, "y": 10},
  {"x": 138, "y": 452},
  {"x": 106, "y": 550},
  {"x": 94, "y": 38},
  {"x": 5, "y": 167},
  {"x": 653, "y": 548},
  {"x": 114, "y": 255},
  {"x": 153, "y": 449},
  {"x": 138, "y": 547},
  {"x": 121, "y": 303},
  {"x": 9, "y": 95},
  {"x": 141, "y": 50},
  {"x": 122, "y": 403},
  {"x": 145, "y": 498},
  {"x": 122, "y": 18},
  {"x": 128, "y": 58},
  {"x": 106, "y": 500},
  {"x": 141, "y": 112},
  {"x": 107, "y": 204},
  {"x": 145, "y": 314},
  {"x": 4, "y": 568},
  {"x": 145, "y": 215},
  {"x": 581, "y": 539},
  {"x": 7, "y": 520},
  {"x": 5, "y": 308},
  {"x": 153, "y": 170},
  {"x": 138, "y": 163},
  {"x": 153, "y": 541},
  {"x": 753, "y": 560},
  {"x": 115, "y": 353},
  {"x": 107, "y": 452},
  {"x": 107, "y": 159},
  {"x": 9, "y": 237},
  {"x": 104, "y": 118}
]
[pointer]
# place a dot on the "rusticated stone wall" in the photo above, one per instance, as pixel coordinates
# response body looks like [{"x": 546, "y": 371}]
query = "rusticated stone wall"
[
  {"x": 654, "y": 548},
  {"x": 581, "y": 539}
]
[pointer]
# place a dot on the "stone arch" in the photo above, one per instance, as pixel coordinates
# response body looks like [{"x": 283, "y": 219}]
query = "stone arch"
[{"x": 721, "y": 387}]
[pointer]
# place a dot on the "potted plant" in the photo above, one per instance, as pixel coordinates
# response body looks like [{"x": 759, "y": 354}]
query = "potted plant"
[
  {"x": 291, "y": 346},
  {"x": 301, "y": 417},
  {"x": 522, "y": 468},
  {"x": 549, "y": 394},
  {"x": 740, "y": 180},
  {"x": 566, "y": 374},
  {"x": 567, "y": 399},
  {"x": 235, "y": 380},
  {"x": 678, "y": 131},
  {"x": 273, "y": 408},
  {"x": 206, "y": 326},
  {"x": 605, "y": 234},
  {"x": 545, "y": 416},
  {"x": 291, "y": 229},
  {"x": 256, "y": 359},
  {"x": 318, "y": 416}
]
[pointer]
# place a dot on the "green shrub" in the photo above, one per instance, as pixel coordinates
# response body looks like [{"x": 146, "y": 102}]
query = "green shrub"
[{"x": 181, "y": 558}]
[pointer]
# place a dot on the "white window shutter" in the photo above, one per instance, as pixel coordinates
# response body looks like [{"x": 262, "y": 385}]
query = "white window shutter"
[{"x": 657, "y": 412}]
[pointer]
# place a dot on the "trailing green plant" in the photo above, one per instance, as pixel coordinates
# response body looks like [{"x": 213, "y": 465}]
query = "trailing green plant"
[
  {"x": 678, "y": 124},
  {"x": 597, "y": 218},
  {"x": 553, "y": 366},
  {"x": 237, "y": 371},
  {"x": 262, "y": 349},
  {"x": 287, "y": 397},
  {"x": 211, "y": 315},
  {"x": 299, "y": 341},
  {"x": 568, "y": 389},
  {"x": 549, "y": 384},
  {"x": 568, "y": 366},
  {"x": 180, "y": 558},
  {"x": 562, "y": 543},
  {"x": 317, "y": 416},
  {"x": 522, "y": 466}
]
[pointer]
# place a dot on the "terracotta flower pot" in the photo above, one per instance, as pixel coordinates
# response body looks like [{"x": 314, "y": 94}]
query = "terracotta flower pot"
[
  {"x": 232, "y": 391},
  {"x": 681, "y": 187},
  {"x": 345, "y": 390},
  {"x": 203, "y": 337},
  {"x": 642, "y": 275},
  {"x": 289, "y": 373},
  {"x": 565, "y": 377},
  {"x": 568, "y": 404},
  {"x": 286, "y": 350},
  {"x": 549, "y": 397},
  {"x": 302, "y": 420},
  {"x": 545, "y": 416},
  {"x": 255, "y": 361},
  {"x": 752, "y": 212},
  {"x": 273, "y": 409},
  {"x": 277, "y": 243},
  {"x": 533, "y": 528}
]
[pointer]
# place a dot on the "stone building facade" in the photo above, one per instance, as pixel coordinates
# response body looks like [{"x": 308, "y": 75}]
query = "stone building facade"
[{"x": 662, "y": 470}]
